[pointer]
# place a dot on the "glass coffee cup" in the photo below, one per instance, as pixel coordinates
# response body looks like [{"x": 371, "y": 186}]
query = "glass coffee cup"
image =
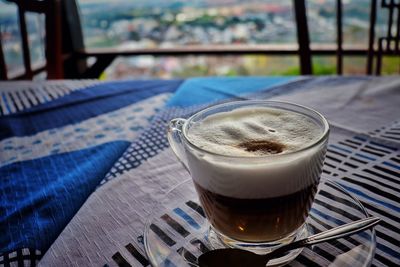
[{"x": 256, "y": 166}]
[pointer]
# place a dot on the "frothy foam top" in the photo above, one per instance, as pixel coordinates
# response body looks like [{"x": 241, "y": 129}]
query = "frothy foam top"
[{"x": 252, "y": 132}]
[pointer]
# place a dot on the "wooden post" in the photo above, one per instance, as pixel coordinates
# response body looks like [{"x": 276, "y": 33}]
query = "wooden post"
[
  {"x": 390, "y": 22},
  {"x": 339, "y": 39},
  {"x": 370, "y": 56},
  {"x": 379, "y": 58},
  {"x": 303, "y": 38},
  {"x": 25, "y": 43},
  {"x": 53, "y": 47}
]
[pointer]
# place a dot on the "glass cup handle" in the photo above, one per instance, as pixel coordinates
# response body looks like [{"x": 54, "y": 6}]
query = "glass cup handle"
[{"x": 175, "y": 139}]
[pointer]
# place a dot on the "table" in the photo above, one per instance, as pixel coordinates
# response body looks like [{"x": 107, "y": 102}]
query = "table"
[{"x": 82, "y": 162}]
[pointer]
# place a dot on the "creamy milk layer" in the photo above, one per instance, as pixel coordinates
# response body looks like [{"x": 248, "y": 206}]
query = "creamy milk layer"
[
  {"x": 233, "y": 133},
  {"x": 249, "y": 133}
]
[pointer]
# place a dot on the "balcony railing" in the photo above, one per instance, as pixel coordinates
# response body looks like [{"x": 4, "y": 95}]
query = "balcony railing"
[{"x": 78, "y": 55}]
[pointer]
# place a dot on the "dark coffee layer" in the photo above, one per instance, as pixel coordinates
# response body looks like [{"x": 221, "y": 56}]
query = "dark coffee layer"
[{"x": 257, "y": 220}]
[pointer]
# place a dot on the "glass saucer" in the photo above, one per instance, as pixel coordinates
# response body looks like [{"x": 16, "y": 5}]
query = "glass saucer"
[{"x": 176, "y": 233}]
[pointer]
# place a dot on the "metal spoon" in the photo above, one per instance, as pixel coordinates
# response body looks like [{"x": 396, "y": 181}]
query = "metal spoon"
[{"x": 237, "y": 257}]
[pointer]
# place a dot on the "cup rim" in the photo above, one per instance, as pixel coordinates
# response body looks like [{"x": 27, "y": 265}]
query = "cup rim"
[{"x": 321, "y": 139}]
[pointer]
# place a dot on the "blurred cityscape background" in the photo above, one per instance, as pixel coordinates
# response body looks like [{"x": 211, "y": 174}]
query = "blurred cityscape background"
[{"x": 127, "y": 24}]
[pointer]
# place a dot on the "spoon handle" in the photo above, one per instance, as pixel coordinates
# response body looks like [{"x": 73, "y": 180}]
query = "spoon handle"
[
  {"x": 334, "y": 233},
  {"x": 343, "y": 230}
]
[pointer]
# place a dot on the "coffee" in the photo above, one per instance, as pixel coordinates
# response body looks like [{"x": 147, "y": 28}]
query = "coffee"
[
  {"x": 257, "y": 220},
  {"x": 252, "y": 186}
]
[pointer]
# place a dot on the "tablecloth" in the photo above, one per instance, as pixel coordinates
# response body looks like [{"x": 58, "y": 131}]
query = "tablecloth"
[
  {"x": 55, "y": 152},
  {"x": 58, "y": 142}
]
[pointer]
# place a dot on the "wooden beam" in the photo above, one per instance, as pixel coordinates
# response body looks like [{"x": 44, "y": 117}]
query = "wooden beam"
[
  {"x": 94, "y": 71},
  {"x": 221, "y": 50},
  {"x": 53, "y": 47},
  {"x": 193, "y": 49},
  {"x": 339, "y": 38},
  {"x": 379, "y": 57},
  {"x": 31, "y": 5},
  {"x": 72, "y": 39},
  {"x": 303, "y": 38},
  {"x": 389, "y": 28},
  {"x": 397, "y": 37},
  {"x": 370, "y": 54},
  {"x": 25, "y": 44}
]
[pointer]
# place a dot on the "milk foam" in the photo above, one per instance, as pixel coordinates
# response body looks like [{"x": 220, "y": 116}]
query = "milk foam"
[
  {"x": 251, "y": 176},
  {"x": 223, "y": 133}
]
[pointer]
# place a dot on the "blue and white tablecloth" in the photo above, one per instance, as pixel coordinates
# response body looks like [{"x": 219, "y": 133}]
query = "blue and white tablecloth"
[{"x": 74, "y": 146}]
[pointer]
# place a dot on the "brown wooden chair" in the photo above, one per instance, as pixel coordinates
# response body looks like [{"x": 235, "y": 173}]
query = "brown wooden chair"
[{"x": 53, "y": 43}]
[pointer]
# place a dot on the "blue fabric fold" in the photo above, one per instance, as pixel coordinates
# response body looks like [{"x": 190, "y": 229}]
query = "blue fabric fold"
[
  {"x": 198, "y": 91},
  {"x": 81, "y": 105},
  {"x": 39, "y": 197}
]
